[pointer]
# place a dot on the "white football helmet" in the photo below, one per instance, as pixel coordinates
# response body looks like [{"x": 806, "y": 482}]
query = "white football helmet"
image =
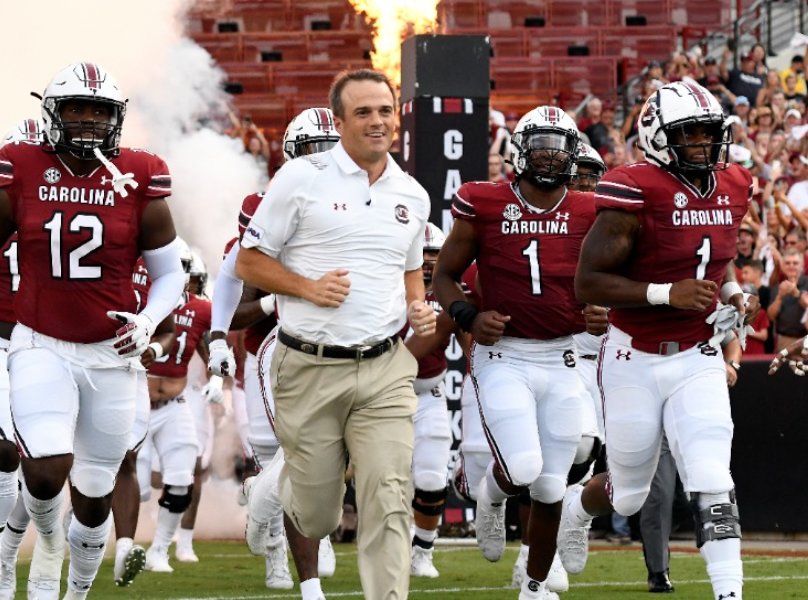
[
  {"x": 27, "y": 130},
  {"x": 88, "y": 82},
  {"x": 587, "y": 178},
  {"x": 198, "y": 270},
  {"x": 671, "y": 110},
  {"x": 310, "y": 132},
  {"x": 552, "y": 135},
  {"x": 186, "y": 258},
  {"x": 433, "y": 237}
]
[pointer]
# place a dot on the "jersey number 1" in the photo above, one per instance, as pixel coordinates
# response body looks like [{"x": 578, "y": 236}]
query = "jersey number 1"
[
  {"x": 532, "y": 253},
  {"x": 703, "y": 252}
]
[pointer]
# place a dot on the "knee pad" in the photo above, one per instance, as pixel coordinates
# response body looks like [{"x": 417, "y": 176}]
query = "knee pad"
[
  {"x": 629, "y": 504},
  {"x": 716, "y": 516},
  {"x": 429, "y": 503},
  {"x": 93, "y": 482},
  {"x": 712, "y": 475},
  {"x": 589, "y": 449},
  {"x": 548, "y": 489},
  {"x": 524, "y": 468},
  {"x": 176, "y": 498},
  {"x": 429, "y": 480}
]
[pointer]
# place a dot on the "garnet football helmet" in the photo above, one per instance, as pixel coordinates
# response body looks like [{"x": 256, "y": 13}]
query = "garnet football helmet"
[
  {"x": 310, "y": 132},
  {"x": 27, "y": 130},
  {"x": 84, "y": 82},
  {"x": 669, "y": 113},
  {"x": 544, "y": 147}
]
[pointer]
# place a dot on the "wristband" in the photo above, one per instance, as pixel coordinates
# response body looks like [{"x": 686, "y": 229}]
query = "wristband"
[
  {"x": 728, "y": 290},
  {"x": 658, "y": 293},
  {"x": 268, "y": 304},
  {"x": 463, "y": 313},
  {"x": 158, "y": 350}
]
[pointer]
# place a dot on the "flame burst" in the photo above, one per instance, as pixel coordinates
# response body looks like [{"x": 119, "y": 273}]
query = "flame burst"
[{"x": 392, "y": 21}]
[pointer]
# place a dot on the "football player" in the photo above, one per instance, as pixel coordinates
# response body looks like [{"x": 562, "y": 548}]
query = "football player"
[
  {"x": 525, "y": 238},
  {"x": 84, "y": 209},
  {"x": 660, "y": 254},
  {"x": 237, "y": 306},
  {"x": 589, "y": 171}
]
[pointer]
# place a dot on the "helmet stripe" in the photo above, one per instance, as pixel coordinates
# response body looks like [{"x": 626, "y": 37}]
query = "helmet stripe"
[
  {"x": 701, "y": 98},
  {"x": 324, "y": 120},
  {"x": 91, "y": 75}
]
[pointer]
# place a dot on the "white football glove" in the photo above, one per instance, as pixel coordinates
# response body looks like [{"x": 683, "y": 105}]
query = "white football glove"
[
  {"x": 221, "y": 362},
  {"x": 212, "y": 390},
  {"x": 723, "y": 319},
  {"x": 133, "y": 338}
]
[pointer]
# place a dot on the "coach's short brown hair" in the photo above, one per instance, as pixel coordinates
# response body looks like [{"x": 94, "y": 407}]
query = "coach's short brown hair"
[{"x": 342, "y": 78}]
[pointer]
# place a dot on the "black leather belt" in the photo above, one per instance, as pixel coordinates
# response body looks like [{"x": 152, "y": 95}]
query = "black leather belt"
[
  {"x": 161, "y": 403},
  {"x": 353, "y": 352}
]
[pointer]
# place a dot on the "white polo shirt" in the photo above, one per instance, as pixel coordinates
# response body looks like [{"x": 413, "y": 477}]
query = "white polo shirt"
[{"x": 321, "y": 214}]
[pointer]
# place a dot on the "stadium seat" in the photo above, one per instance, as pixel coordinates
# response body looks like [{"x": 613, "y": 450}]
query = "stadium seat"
[
  {"x": 525, "y": 76},
  {"x": 223, "y": 47},
  {"x": 262, "y": 15},
  {"x": 461, "y": 14},
  {"x": 517, "y": 12},
  {"x": 581, "y": 13},
  {"x": 656, "y": 12},
  {"x": 556, "y": 41},
  {"x": 651, "y": 42},
  {"x": 291, "y": 45},
  {"x": 583, "y": 75},
  {"x": 253, "y": 77}
]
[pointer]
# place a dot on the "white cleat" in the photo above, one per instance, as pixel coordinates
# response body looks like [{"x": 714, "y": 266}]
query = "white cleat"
[
  {"x": 421, "y": 565},
  {"x": 129, "y": 564},
  {"x": 74, "y": 595},
  {"x": 557, "y": 579},
  {"x": 573, "y": 538},
  {"x": 535, "y": 590},
  {"x": 186, "y": 555},
  {"x": 490, "y": 525},
  {"x": 157, "y": 560},
  {"x": 519, "y": 568},
  {"x": 326, "y": 559},
  {"x": 278, "y": 575},
  {"x": 244, "y": 491},
  {"x": 45, "y": 575}
]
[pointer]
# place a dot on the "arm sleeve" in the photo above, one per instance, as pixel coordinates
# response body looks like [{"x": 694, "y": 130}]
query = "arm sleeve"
[
  {"x": 226, "y": 292},
  {"x": 618, "y": 191},
  {"x": 168, "y": 280}
]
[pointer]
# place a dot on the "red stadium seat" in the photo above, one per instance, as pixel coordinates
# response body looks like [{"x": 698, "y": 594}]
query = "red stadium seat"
[
  {"x": 461, "y": 14},
  {"x": 580, "y": 76},
  {"x": 656, "y": 12},
  {"x": 523, "y": 76},
  {"x": 519, "y": 14},
  {"x": 651, "y": 42},
  {"x": 253, "y": 77},
  {"x": 262, "y": 15},
  {"x": 288, "y": 46},
  {"x": 581, "y": 13},
  {"x": 223, "y": 47}
]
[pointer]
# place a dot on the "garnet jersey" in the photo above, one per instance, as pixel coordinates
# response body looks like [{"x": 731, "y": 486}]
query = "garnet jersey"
[
  {"x": 78, "y": 238},
  {"x": 527, "y": 257},
  {"x": 9, "y": 279},
  {"x": 255, "y": 333},
  {"x": 141, "y": 282},
  {"x": 191, "y": 321},
  {"x": 683, "y": 234}
]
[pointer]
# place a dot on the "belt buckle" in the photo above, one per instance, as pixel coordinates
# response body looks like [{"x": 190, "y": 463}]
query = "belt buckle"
[
  {"x": 668, "y": 348},
  {"x": 361, "y": 350}
]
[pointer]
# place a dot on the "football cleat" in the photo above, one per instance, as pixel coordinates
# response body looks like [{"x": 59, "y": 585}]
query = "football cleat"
[
  {"x": 536, "y": 590},
  {"x": 490, "y": 525},
  {"x": 557, "y": 579},
  {"x": 519, "y": 568},
  {"x": 128, "y": 564},
  {"x": 278, "y": 575},
  {"x": 326, "y": 559},
  {"x": 45, "y": 575},
  {"x": 186, "y": 555},
  {"x": 421, "y": 565},
  {"x": 157, "y": 560},
  {"x": 573, "y": 538}
]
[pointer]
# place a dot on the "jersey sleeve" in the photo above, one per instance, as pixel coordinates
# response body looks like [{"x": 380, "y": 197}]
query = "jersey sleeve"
[
  {"x": 248, "y": 207},
  {"x": 159, "y": 185},
  {"x": 6, "y": 167},
  {"x": 618, "y": 191},
  {"x": 463, "y": 203}
]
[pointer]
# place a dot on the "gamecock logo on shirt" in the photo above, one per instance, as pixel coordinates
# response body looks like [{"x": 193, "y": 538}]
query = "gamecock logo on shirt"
[
  {"x": 402, "y": 214},
  {"x": 512, "y": 212},
  {"x": 52, "y": 175}
]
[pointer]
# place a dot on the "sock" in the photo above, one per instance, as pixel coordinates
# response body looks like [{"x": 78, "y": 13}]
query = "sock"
[
  {"x": 489, "y": 489},
  {"x": 12, "y": 535},
  {"x": 265, "y": 504},
  {"x": 524, "y": 549},
  {"x": 123, "y": 545},
  {"x": 45, "y": 514},
  {"x": 167, "y": 523},
  {"x": 8, "y": 494},
  {"x": 532, "y": 588},
  {"x": 424, "y": 538},
  {"x": 185, "y": 538},
  {"x": 310, "y": 589},
  {"x": 86, "y": 553},
  {"x": 577, "y": 511},
  {"x": 724, "y": 566}
]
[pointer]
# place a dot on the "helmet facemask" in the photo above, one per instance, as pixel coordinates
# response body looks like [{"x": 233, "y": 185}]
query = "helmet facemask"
[
  {"x": 587, "y": 175},
  {"x": 710, "y": 156},
  {"x": 546, "y": 157},
  {"x": 304, "y": 145},
  {"x": 80, "y": 138}
]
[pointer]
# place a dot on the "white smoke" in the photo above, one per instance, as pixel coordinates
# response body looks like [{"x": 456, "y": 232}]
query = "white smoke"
[{"x": 174, "y": 90}]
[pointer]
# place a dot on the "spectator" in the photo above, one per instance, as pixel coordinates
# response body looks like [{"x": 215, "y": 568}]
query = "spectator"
[
  {"x": 788, "y": 306},
  {"x": 798, "y": 192},
  {"x": 496, "y": 170},
  {"x": 498, "y": 134},
  {"x": 762, "y": 121},
  {"x": 256, "y": 144},
  {"x": 791, "y": 119},
  {"x": 709, "y": 69},
  {"x": 752, "y": 275},
  {"x": 779, "y": 106},
  {"x": 721, "y": 93},
  {"x": 745, "y": 246},
  {"x": 742, "y": 110},
  {"x": 743, "y": 81},
  {"x": 797, "y": 70},
  {"x": 791, "y": 87},
  {"x": 594, "y": 128},
  {"x": 758, "y": 52}
]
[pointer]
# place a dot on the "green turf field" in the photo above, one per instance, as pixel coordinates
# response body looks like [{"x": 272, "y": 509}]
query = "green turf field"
[{"x": 227, "y": 570}]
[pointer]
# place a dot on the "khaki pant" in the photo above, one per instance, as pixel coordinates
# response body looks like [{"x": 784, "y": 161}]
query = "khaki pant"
[{"x": 328, "y": 408}]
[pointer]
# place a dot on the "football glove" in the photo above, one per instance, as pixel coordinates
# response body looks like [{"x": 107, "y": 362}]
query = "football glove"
[
  {"x": 133, "y": 337},
  {"x": 221, "y": 362}
]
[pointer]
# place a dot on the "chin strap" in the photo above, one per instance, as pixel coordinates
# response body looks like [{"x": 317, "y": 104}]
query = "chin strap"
[{"x": 119, "y": 180}]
